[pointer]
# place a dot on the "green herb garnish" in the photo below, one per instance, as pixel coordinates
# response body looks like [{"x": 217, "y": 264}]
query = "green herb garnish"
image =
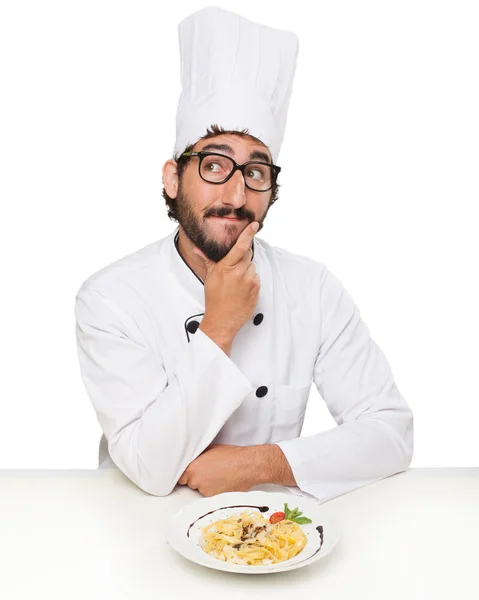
[{"x": 295, "y": 516}]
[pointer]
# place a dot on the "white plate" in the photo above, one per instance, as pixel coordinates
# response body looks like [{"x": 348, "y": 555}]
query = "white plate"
[{"x": 183, "y": 530}]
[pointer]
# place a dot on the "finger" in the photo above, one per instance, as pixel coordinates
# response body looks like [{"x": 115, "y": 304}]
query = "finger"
[
  {"x": 183, "y": 480},
  {"x": 254, "y": 278},
  {"x": 251, "y": 270},
  {"x": 246, "y": 260},
  {"x": 241, "y": 247}
]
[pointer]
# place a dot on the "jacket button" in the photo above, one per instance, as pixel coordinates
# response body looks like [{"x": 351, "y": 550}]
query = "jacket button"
[
  {"x": 258, "y": 319},
  {"x": 261, "y": 391},
  {"x": 192, "y": 326}
]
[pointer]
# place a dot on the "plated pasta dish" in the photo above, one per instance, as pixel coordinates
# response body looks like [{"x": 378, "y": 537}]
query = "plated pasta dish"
[{"x": 248, "y": 538}]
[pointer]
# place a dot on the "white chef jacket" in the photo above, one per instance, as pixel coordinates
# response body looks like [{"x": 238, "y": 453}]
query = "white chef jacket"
[{"x": 163, "y": 390}]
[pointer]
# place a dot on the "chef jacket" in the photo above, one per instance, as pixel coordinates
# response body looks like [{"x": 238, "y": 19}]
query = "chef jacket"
[{"x": 163, "y": 390}]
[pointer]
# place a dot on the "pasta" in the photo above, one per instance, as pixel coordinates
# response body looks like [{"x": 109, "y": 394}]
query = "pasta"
[{"x": 250, "y": 539}]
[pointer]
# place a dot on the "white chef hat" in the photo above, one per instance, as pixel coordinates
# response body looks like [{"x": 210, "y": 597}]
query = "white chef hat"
[{"x": 234, "y": 73}]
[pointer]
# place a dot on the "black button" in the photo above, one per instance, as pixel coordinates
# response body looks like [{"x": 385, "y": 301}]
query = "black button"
[
  {"x": 258, "y": 319},
  {"x": 192, "y": 326},
  {"x": 261, "y": 391}
]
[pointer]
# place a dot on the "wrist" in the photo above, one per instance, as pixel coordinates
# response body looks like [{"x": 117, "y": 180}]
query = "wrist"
[
  {"x": 221, "y": 335},
  {"x": 268, "y": 464}
]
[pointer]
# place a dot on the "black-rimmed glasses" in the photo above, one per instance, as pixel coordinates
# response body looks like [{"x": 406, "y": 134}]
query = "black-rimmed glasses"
[{"x": 218, "y": 168}]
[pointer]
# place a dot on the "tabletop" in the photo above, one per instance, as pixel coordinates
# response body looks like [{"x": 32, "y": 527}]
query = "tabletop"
[{"x": 94, "y": 534}]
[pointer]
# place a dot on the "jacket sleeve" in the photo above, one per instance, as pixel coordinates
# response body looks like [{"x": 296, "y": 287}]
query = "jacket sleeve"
[
  {"x": 374, "y": 437},
  {"x": 154, "y": 427}
]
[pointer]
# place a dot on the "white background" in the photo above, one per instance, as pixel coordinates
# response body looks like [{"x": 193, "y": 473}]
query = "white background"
[{"x": 379, "y": 182}]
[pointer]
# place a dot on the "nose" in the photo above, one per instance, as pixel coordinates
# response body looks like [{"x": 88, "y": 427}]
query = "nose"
[{"x": 235, "y": 191}]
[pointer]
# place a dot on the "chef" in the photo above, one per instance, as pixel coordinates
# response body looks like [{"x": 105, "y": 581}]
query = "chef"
[{"x": 199, "y": 351}]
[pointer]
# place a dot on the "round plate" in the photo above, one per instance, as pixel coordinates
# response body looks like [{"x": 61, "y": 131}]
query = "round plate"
[{"x": 183, "y": 530}]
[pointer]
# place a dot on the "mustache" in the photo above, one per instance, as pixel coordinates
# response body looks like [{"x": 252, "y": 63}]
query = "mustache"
[{"x": 238, "y": 214}]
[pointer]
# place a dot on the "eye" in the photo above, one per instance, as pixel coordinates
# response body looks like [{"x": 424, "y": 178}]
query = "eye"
[
  {"x": 216, "y": 164},
  {"x": 255, "y": 173},
  {"x": 211, "y": 164}
]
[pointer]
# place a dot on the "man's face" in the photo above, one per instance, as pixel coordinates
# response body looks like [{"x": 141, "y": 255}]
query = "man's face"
[{"x": 213, "y": 216}]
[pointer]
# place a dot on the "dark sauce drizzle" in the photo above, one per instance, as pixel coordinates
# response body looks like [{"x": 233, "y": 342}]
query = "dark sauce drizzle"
[
  {"x": 320, "y": 530},
  {"x": 262, "y": 509}
]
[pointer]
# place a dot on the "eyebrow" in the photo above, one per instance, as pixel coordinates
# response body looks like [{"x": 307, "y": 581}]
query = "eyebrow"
[{"x": 229, "y": 150}]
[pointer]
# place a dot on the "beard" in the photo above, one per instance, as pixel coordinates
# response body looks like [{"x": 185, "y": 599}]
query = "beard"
[{"x": 197, "y": 231}]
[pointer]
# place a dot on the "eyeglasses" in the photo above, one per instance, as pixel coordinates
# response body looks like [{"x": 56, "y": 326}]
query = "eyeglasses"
[{"x": 218, "y": 168}]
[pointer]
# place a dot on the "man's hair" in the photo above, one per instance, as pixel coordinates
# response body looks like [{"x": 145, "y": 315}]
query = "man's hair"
[{"x": 182, "y": 161}]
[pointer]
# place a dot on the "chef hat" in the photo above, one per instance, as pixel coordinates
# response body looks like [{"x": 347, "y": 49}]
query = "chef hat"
[{"x": 234, "y": 73}]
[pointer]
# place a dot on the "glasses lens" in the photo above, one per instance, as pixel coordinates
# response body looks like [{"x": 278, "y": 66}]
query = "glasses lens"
[
  {"x": 259, "y": 177},
  {"x": 216, "y": 168}
]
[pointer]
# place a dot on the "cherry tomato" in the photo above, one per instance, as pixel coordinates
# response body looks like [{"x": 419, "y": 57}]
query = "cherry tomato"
[{"x": 276, "y": 517}]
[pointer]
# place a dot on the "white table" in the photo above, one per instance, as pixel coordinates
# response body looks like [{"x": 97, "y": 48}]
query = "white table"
[{"x": 93, "y": 534}]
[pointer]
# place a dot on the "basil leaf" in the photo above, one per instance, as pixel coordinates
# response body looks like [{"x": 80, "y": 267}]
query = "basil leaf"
[
  {"x": 301, "y": 520},
  {"x": 287, "y": 512}
]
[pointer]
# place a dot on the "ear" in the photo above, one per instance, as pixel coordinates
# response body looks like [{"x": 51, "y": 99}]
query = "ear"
[{"x": 170, "y": 178}]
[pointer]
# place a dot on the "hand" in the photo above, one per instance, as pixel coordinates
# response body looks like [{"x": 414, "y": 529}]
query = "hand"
[
  {"x": 231, "y": 285},
  {"x": 220, "y": 468}
]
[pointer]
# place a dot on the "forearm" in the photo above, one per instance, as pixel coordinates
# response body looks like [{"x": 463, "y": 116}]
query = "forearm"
[
  {"x": 348, "y": 457},
  {"x": 188, "y": 416},
  {"x": 154, "y": 426},
  {"x": 268, "y": 464}
]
